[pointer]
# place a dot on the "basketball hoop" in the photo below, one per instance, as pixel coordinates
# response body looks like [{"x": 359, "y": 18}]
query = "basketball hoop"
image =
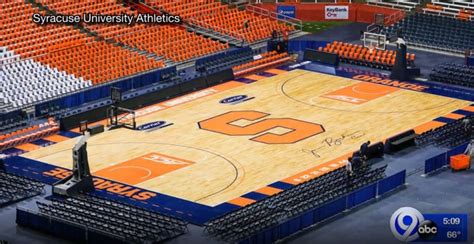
[
  {"x": 374, "y": 41},
  {"x": 371, "y": 46}
]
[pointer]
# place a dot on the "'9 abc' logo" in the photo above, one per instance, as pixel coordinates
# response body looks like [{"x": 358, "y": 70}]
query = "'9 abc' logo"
[
  {"x": 408, "y": 224},
  {"x": 427, "y": 230}
]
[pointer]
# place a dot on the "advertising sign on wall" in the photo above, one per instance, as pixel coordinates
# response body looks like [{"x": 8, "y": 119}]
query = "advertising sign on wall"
[{"x": 336, "y": 12}]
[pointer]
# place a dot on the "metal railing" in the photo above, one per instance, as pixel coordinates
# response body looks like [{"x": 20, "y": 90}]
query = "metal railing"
[
  {"x": 238, "y": 2},
  {"x": 308, "y": 1},
  {"x": 297, "y": 23},
  {"x": 405, "y": 5},
  {"x": 444, "y": 13},
  {"x": 394, "y": 18},
  {"x": 215, "y": 30},
  {"x": 205, "y": 27},
  {"x": 388, "y": 20}
]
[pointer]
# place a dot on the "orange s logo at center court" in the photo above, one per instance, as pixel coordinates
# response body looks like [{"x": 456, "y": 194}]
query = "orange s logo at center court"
[{"x": 299, "y": 130}]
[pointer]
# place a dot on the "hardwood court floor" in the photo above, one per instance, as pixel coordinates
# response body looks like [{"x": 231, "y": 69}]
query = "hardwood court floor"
[{"x": 208, "y": 167}]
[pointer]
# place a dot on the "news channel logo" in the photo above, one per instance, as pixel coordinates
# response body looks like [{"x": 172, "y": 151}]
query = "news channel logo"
[{"x": 408, "y": 224}]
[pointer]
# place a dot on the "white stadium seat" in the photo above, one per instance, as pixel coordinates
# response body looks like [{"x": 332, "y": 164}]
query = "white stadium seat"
[{"x": 26, "y": 82}]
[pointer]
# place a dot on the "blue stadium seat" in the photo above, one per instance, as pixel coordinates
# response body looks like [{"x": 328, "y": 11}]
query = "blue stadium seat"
[
  {"x": 435, "y": 32},
  {"x": 455, "y": 74},
  {"x": 278, "y": 208},
  {"x": 225, "y": 60}
]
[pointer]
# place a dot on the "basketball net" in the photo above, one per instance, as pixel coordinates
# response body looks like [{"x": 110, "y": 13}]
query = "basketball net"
[{"x": 371, "y": 47}]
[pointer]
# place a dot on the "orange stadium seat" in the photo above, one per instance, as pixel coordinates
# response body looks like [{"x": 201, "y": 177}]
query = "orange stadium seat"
[
  {"x": 267, "y": 60},
  {"x": 28, "y": 39},
  {"x": 171, "y": 42},
  {"x": 99, "y": 62},
  {"x": 361, "y": 55},
  {"x": 95, "y": 7},
  {"x": 27, "y": 134},
  {"x": 215, "y": 14}
]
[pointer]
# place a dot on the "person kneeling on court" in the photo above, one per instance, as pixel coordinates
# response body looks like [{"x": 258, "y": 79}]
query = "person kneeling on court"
[
  {"x": 364, "y": 150},
  {"x": 356, "y": 161}
]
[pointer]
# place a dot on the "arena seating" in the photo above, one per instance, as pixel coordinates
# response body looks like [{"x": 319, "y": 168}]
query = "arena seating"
[
  {"x": 66, "y": 48},
  {"x": 407, "y": 5},
  {"x": 14, "y": 188},
  {"x": 225, "y": 60},
  {"x": 360, "y": 55},
  {"x": 449, "y": 135},
  {"x": 275, "y": 209},
  {"x": 7, "y": 56},
  {"x": 263, "y": 61},
  {"x": 455, "y": 74},
  {"x": 28, "y": 39},
  {"x": 106, "y": 31},
  {"x": 117, "y": 221},
  {"x": 27, "y": 82},
  {"x": 454, "y": 9},
  {"x": 99, "y": 62},
  {"x": 435, "y": 32},
  {"x": 172, "y": 42},
  {"x": 12, "y": 120},
  {"x": 215, "y": 14},
  {"x": 31, "y": 132}
]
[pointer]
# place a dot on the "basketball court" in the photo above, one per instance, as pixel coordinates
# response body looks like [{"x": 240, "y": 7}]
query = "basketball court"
[{"x": 218, "y": 144}]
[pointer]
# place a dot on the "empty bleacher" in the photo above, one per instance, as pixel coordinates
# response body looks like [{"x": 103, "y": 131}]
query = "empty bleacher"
[
  {"x": 26, "y": 82},
  {"x": 99, "y": 62},
  {"x": 360, "y": 55},
  {"x": 28, "y": 39},
  {"x": 106, "y": 31},
  {"x": 32, "y": 131},
  {"x": 172, "y": 42},
  {"x": 454, "y": 9},
  {"x": 276, "y": 209},
  {"x": 7, "y": 56},
  {"x": 407, "y": 5},
  {"x": 66, "y": 48},
  {"x": 252, "y": 27},
  {"x": 435, "y": 32},
  {"x": 15, "y": 188},
  {"x": 168, "y": 41},
  {"x": 224, "y": 60},
  {"x": 449, "y": 135},
  {"x": 261, "y": 62},
  {"x": 455, "y": 74},
  {"x": 12, "y": 120},
  {"x": 106, "y": 220}
]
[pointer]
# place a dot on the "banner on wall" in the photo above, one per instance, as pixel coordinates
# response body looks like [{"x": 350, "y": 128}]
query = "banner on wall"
[
  {"x": 336, "y": 12},
  {"x": 289, "y": 11}
]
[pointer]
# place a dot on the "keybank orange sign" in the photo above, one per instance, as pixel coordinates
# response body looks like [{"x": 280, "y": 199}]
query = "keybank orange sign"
[{"x": 299, "y": 130}]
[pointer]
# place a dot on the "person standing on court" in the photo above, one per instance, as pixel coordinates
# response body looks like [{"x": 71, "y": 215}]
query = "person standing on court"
[
  {"x": 349, "y": 173},
  {"x": 349, "y": 166},
  {"x": 470, "y": 152}
]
